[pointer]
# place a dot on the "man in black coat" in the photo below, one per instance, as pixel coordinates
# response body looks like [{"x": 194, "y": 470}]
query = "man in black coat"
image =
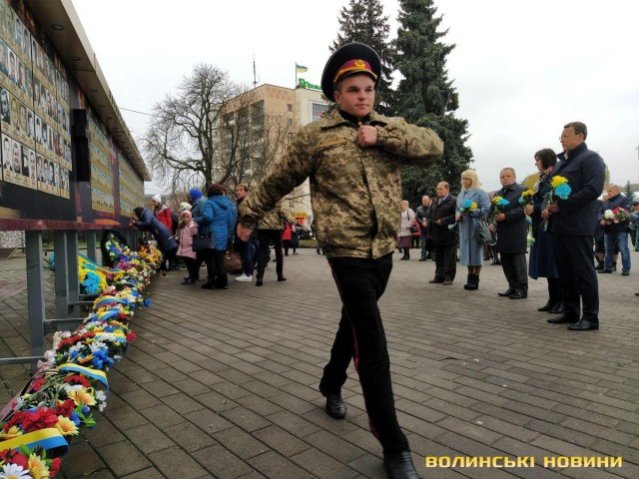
[
  {"x": 512, "y": 233},
  {"x": 423, "y": 219},
  {"x": 572, "y": 224},
  {"x": 442, "y": 214}
]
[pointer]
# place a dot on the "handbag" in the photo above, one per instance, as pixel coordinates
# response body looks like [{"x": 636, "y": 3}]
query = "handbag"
[
  {"x": 232, "y": 262},
  {"x": 483, "y": 235},
  {"x": 203, "y": 241}
]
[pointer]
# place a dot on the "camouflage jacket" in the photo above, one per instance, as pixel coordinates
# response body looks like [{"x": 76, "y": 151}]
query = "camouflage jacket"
[
  {"x": 274, "y": 219},
  {"x": 355, "y": 191}
]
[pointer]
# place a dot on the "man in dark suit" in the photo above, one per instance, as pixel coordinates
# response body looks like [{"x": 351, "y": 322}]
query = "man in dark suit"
[
  {"x": 572, "y": 223},
  {"x": 512, "y": 233},
  {"x": 442, "y": 214}
]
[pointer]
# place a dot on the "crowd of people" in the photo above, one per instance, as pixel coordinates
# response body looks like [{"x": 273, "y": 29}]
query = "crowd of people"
[
  {"x": 562, "y": 216},
  {"x": 353, "y": 157}
]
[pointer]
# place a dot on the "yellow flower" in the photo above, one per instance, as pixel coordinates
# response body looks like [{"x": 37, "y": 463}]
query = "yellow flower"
[
  {"x": 496, "y": 199},
  {"x": 558, "y": 180},
  {"x": 66, "y": 426},
  {"x": 37, "y": 467},
  {"x": 84, "y": 396},
  {"x": 13, "y": 431},
  {"x": 473, "y": 206}
]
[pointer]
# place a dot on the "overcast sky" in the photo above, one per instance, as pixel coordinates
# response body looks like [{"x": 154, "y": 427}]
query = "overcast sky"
[{"x": 522, "y": 69}]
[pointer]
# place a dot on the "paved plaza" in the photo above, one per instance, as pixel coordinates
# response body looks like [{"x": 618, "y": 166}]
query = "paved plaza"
[{"x": 223, "y": 384}]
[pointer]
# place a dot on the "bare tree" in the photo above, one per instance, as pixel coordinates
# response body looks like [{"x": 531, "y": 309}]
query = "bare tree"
[{"x": 183, "y": 141}]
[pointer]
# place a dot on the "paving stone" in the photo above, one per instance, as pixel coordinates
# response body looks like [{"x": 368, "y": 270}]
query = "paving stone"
[
  {"x": 123, "y": 458},
  {"x": 281, "y": 441},
  {"x": 240, "y": 442},
  {"x": 188, "y": 436},
  {"x": 174, "y": 463},
  {"x": 150, "y": 473},
  {"x": 149, "y": 438},
  {"x": 221, "y": 462},
  {"x": 273, "y": 465}
]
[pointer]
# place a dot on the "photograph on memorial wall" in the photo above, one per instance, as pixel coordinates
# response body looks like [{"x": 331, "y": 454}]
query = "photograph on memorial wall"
[{"x": 39, "y": 176}]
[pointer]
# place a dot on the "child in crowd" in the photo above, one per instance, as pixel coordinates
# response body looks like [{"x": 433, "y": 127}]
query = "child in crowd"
[{"x": 187, "y": 228}]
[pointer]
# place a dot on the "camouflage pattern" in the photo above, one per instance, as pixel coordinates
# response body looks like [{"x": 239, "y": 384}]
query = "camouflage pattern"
[
  {"x": 274, "y": 219},
  {"x": 355, "y": 191}
]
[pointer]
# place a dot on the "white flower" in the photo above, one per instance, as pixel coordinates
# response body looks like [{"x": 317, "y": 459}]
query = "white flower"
[
  {"x": 609, "y": 215},
  {"x": 100, "y": 396},
  {"x": 13, "y": 471}
]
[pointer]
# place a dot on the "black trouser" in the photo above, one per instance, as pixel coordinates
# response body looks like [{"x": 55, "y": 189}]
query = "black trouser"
[
  {"x": 445, "y": 261},
  {"x": 577, "y": 275},
  {"x": 515, "y": 270},
  {"x": 215, "y": 267},
  {"x": 191, "y": 267},
  {"x": 554, "y": 290},
  {"x": 168, "y": 257},
  {"x": 265, "y": 237},
  {"x": 361, "y": 282}
]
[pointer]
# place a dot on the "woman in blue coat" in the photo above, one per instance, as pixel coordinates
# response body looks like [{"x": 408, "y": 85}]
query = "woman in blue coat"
[
  {"x": 471, "y": 253},
  {"x": 216, "y": 215},
  {"x": 145, "y": 220},
  {"x": 542, "y": 255}
]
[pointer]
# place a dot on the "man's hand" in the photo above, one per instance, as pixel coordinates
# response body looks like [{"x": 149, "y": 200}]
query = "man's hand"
[
  {"x": 243, "y": 232},
  {"x": 500, "y": 217},
  {"x": 367, "y": 135},
  {"x": 528, "y": 209},
  {"x": 553, "y": 207},
  {"x": 545, "y": 214},
  {"x": 492, "y": 228}
]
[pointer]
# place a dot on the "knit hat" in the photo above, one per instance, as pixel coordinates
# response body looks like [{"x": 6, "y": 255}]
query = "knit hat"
[
  {"x": 184, "y": 206},
  {"x": 157, "y": 198},
  {"x": 195, "y": 194}
]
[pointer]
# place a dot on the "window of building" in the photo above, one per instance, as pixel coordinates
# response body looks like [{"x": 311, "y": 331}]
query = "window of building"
[
  {"x": 318, "y": 110},
  {"x": 289, "y": 107}
]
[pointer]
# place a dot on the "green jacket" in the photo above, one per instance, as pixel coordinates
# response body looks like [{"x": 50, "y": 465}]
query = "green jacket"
[{"x": 355, "y": 191}]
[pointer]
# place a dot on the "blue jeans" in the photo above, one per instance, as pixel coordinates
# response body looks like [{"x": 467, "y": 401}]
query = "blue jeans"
[
  {"x": 246, "y": 249},
  {"x": 621, "y": 239}
]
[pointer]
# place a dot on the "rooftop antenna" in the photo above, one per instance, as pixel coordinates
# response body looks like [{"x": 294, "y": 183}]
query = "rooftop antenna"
[{"x": 254, "y": 73}]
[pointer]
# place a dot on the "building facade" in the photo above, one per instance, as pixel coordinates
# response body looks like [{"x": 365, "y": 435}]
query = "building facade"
[{"x": 258, "y": 125}]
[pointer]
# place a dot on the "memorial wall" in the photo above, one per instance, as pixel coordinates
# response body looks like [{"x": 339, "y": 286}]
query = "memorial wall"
[{"x": 61, "y": 166}]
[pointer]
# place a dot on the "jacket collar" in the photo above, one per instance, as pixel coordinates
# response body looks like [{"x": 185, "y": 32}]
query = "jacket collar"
[
  {"x": 334, "y": 118},
  {"x": 566, "y": 156}
]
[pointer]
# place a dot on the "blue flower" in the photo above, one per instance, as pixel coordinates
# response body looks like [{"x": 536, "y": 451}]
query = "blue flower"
[
  {"x": 563, "y": 191},
  {"x": 75, "y": 418},
  {"x": 466, "y": 204}
]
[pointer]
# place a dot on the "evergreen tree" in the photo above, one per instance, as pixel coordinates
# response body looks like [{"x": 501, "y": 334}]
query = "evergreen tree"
[
  {"x": 426, "y": 97},
  {"x": 364, "y": 21}
]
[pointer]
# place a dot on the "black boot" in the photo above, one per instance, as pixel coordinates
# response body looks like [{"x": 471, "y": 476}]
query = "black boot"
[
  {"x": 468, "y": 282},
  {"x": 399, "y": 465},
  {"x": 473, "y": 282},
  {"x": 558, "y": 308}
]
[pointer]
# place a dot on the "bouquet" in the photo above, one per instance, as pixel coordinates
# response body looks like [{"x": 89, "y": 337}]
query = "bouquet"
[
  {"x": 527, "y": 197},
  {"x": 559, "y": 189},
  {"x": 616, "y": 216},
  {"x": 467, "y": 207},
  {"x": 499, "y": 202}
]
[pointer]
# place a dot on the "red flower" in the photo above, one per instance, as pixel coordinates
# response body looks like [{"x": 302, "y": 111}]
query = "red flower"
[
  {"x": 55, "y": 466},
  {"x": 15, "y": 457},
  {"x": 131, "y": 336},
  {"x": 30, "y": 421},
  {"x": 65, "y": 409},
  {"x": 37, "y": 384},
  {"x": 77, "y": 379}
]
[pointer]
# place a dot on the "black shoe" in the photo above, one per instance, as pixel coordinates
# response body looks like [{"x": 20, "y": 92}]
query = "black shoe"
[
  {"x": 625, "y": 272},
  {"x": 518, "y": 294},
  {"x": 547, "y": 307},
  {"x": 605, "y": 271},
  {"x": 335, "y": 406},
  {"x": 564, "y": 319},
  {"x": 281, "y": 278},
  {"x": 447, "y": 282},
  {"x": 405, "y": 258},
  {"x": 221, "y": 286},
  {"x": 423, "y": 259},
  {"x": 584, "y": 325},
  {"x": 636, "y": 294},
  {"x": 208, "y": 285},
  {"x": 400, "y": 465},
  {"x": 508, "y": 292},
  {"x": 259, "y": 282},
  {"x": 187, "y": 281},
  {"x": 558, "y": 308},
  {"x": 436, "y": 280},
  {"x": 600, "y": 266}
]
